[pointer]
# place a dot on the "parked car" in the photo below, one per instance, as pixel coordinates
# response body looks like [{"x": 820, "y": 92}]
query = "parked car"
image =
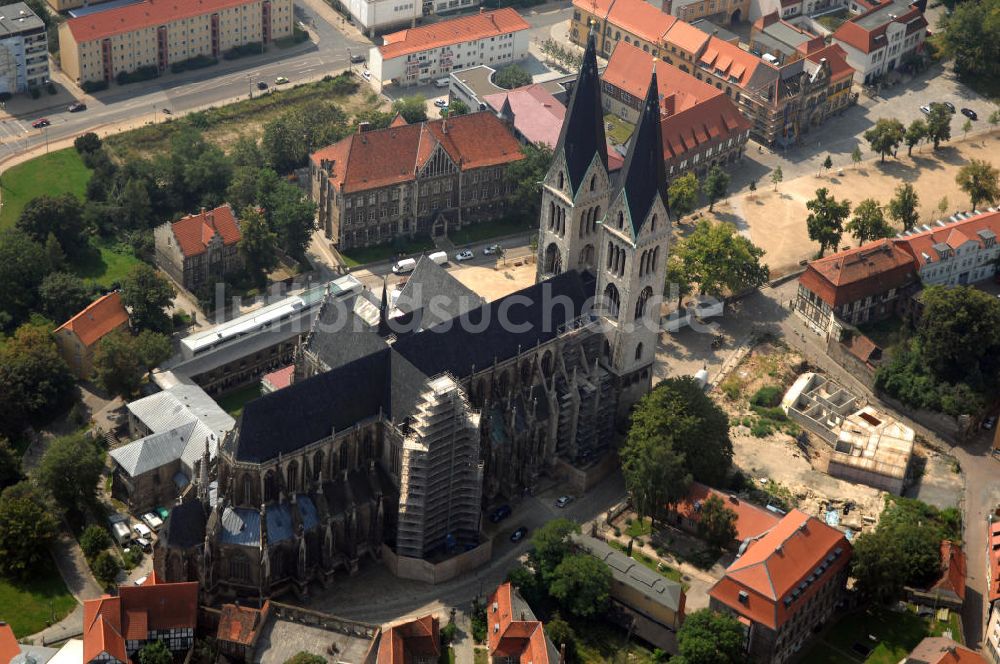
[
  {"x": 281, "y": 80},
  {"x": 367, "y": 75},
  {"x": 261, "y": 85},
  {"x": 969, "y": 113},
  {"x": 518, "y": 534},
  {"x": 42, "y": 122},
  {"x": 357, "y": 59},
  {"x": 141, "y": 580},
  {"x": 500, "y": 513},
  {"x": 143, "y": 543},
  {"x": 77, "y": 107},
  {"x": 926, "y": 110},
  {"x": 990, "y": 422},
  {"x": 492, "y": 249},
  {"x": 950, "y": 106},
  {"x": 563, "y": 501},
  {"x": 142, "y": 530},
  {"x": 153, "y": 520},
  {"x": 465, "y": 255},
  {"x": 167, "y": 111},
  {"x": 441, "y": 103}
]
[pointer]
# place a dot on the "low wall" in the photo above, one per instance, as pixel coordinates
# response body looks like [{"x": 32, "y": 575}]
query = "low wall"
[
  {"x": 581, "y": 480},
  {"x": 850, "y": 363},
  {"x": 418, "y": 569},
  {"x": 812, "y": 426},
  {"x": 322, "y": 620}
]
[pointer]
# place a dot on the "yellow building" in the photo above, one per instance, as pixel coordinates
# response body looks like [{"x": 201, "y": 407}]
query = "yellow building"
[{"x": 160, "y": 33}]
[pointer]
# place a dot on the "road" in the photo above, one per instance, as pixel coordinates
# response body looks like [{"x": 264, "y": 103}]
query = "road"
[{"x": 141, "y": 103}]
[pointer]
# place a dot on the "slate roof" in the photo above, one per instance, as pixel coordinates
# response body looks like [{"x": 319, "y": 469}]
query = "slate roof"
[
  {"x": 185, "y": 527},
  {"x": 644, "y": 177},
  {"x": 582, "y": 135},
  {"x": 340, "y": 336},
  {"x": 157, "y": 449},
  {"x": 627, "y": 571},
  {"x": 240, "y": 525},
  {"x": 99, "y": 318},
  {"x": 433, "y": 295}
]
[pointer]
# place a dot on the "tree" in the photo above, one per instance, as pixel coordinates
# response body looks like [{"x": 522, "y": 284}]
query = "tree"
[
  {"x": 246, "y": 153},
  {"x": 885, "y": 137},
  {"x": 63, "y": 295},
  {"x": 776, "y": 177},
  {"x": 826, "y": 219},
  {"x": 303, "y": 657},
  {"x": 678, "y": 279},
  {"x": 971, "y": 35},
  {"x": 457, "y": 107},
  {"x": 868, "y": 222},
  {"x": 528, "y": 584},
  {"x": 290, "y": 215},
  {"x": 916, "y": 132},
  {"x": 677, "y": 434},
  {"x": 716, "y": 523},
  {"x": 903, "y": 206},
  {"x": 284, "y": 144},
  {"x": 709, "y": 637},
  {"x": 147, "y": 294},
  {"x": 856, "y": 155},
  {"x": 511, "y": 76},
  {"x": 561, "y": 634},
  {"x": 581, "y": 584},
  {"x": 94, "y": 540},
  {"x": 959, "y": 332},
  {"x": 258, "y": 244},
  {"x": 549, "y": 545},
  {"x": 966, "y": 128},
  {"x": 683, "y": 194},
  {"x": 994, "y": 118},
  {"x": 121, "y": 359},
  {"x": 135, "y": 206},
  {"x": 105, "y": 568},
  {"x": 753, "y": 188},
  {"x": 54, "y": 254},
  {"x": 87, "y": 143},
  {"x": 10, "y": 465},
  {"x": 979, "y": 179},
  {"x": 719, "y": 259},
  {"x": 526, "y": 176},
  {"x": 70, "y": 470},
  {"x": 156, "y": 653},
  {"x": 716, "y": 185},
  {"x": 58, "y": 215},
  {"x": 413, "y": 109},
  {"x": 939, "y": 124},
  {"x": 35, "y": 383},
  {"x": 828, "y": 162},
  {"x": 942, "y": 205},
  {"x": 27, "y": 527}
]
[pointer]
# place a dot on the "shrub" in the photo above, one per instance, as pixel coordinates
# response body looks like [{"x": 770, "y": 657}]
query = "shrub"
[
  {"x": 34, "y": 92},
  {"x": 618, "y": 532},
  {"x": 132, "y": 557},
  {"x": 144, "y": 73},
  {"x": 731, "y": 388},
  {"x": 50, "y": 88},
  {"x": 761, "y": 428},
  {"x": 768, "y": 396},
  {"x": 236, "y": 52},
  {"x": 197, "y": 62},
  {"x": 448, "y": 633},
  {"x": 105, "y": 567},
  {"x": 94, "y": 540},
  {"x": 94, "y": 86}
]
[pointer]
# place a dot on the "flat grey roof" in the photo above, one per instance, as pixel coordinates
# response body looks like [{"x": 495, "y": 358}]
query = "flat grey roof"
[
  {"x": 881, "y": 15},
  {"x": 710, "y": 28},
  {"x": 631, "y": 573},
  {"x": 18, "y": 18}
]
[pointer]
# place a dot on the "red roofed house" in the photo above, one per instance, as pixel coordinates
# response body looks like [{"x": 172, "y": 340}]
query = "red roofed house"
[
  {"x": 952, "y": 253},
  {"x": 161, "y": 33},
  {"x": 942, "y": 650},
  {"x": 201, "y": 248},
  {"x": 881, "y": 39},
  {"x": 949, "y": 589},
  {"x": 633, "y": 22},
  {"x": 116, "y": 628},
  {"x": 239, "y": 629},
  {"x": 424, "y": 178},
  {"x": 864, "y": 284},
  {"x": 784, "y": 584},
  {"x": 78, "y": 336},
  {"x": 751, "y": 520},
  {"x": 9, "y": 647},
  {"x": 991, "y": 640},
  {"x": 276, "y": 380},
  {"x": 513, "y": 633},
  {"x": 412, "y": 642},
  {"x": 416, "y": 56}
]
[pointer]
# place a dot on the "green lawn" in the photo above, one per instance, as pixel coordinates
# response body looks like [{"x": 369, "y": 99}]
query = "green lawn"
[
  {"x": 639, "y": 527},
  {"x": 55, "y": 173},
  {"x": 480, "y": 656},
  {"x": 618, "y": 130},
  {"x": 29, "y": 606},
  {"x": 233, "y": 402},
  {"x": 488, "y": 230},
  {"x": 602, "y": 642},
  {"x": 897, "y": 634},
  {"x": 101, "y": 264},
  {"x": 383, "y": 252}
]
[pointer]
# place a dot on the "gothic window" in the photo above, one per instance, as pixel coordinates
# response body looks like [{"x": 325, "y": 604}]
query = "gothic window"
[
  {"x": 611, "y": 255},
  {"x": 642, "y": 263},
  {"x": 247, "y": 490},
  {"x": 317, "y": 464},
  {"x": 593, "y": 219},
  {"x": 368, "y": 447},
  {"x": 552, "y": 215},
  {"x": 621, "y": 262},
  {"x": 561, "y": 179},
  {"x": 656, "y": 258},
  {"x": 621, "y": 220},
  {"x": 553, "y": 259},
  {"x": 270, "y": 488},
  {"x": 593, "y": 182},
  {"x": 612, "y": 300},
  {"x": 638, "y": 352},
  {"x": 547, "y": 363},
  {"x": 587, "y": 256},
  {"x": 239, "y": 567},
  {"x": 652, "y": 223},
  {"x": 503, "y": 383},
  {"x": 293, "y": 477},
  {"x": 345, "y": 456},
  {"x": 640, "y": 304},
  {"x": 584, "y": 220},
  {"x": 526, "y": 372},
  {"x": 606, "y": 350}
]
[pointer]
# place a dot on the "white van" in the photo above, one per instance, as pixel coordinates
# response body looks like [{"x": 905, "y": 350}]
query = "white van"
[
  {"x": 120, "y": 532},
  {"x": 439, "y": 257},
  {"x": 404, "y": 266},
  {"x": 442, "y": 82}
]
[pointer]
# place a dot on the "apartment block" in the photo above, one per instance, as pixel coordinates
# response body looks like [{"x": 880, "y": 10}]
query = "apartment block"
[
  {"x": 159, "y": 33},
  {"x": 24, "y": 53},
  {"x": 881, "y": 39},
  {"x": 441, "y": 475},
  {"x": 956, "y": 251},
  {"x": 430, "y": 52}
]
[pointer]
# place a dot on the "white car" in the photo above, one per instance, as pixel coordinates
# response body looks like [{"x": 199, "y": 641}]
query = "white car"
[
  {"x": 563, "y": 501},
  {"x": 141, "y": 580},
  {"x": 441, "y": 103},
  {"x": 367, "y": 75},
  {"x": 281, "y": 80},
  {"x": 142, "y": 530},
  {"x": 464, "y": 255},
  {"x": 153, "y": 520},
  {"x": 491, "y": 250},
  {"x": 926, "y": 110}
]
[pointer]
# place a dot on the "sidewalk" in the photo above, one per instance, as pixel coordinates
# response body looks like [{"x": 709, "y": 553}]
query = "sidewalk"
[{"x": 75, "y": 572}]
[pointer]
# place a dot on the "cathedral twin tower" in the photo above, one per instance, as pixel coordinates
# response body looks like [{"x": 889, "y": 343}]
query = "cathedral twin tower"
[{"x": 614, "y": 227}]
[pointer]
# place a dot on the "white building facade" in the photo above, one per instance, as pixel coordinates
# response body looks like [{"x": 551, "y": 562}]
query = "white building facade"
[
  {"x": 24, "y": 54},
  {"x": 956, "y": 251},
  {"x": 882, "y": 39},
  {"x": 432, "y": 52}
]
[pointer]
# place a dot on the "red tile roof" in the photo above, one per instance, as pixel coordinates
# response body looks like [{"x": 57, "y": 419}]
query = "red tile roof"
[
  {"x": 751, "y": 520},
  {"x": 195, "y": 231},
  {"x": 281, "y": 378},
  {"x": 853, "y": 33},
  {"x": 511, "y": 635},
  {"x": 641, "y": 19},
  {"x": 854, "y": 274},
  {"x": 861, "y": 347},
  {"x": 953, "y": 567},
  {"x": 630, "y": 69},
  {"x": 940, "y": 650},
  {"x": 953, "y": 234},
  {"x": 714, "y": 120},
  {"x": 686, "y": 37},
  {"x": 102, "y": 629},
  {"x": 147, "y": 14},
  {"x": 731, "y": 60},
  {"x": 241, "y": 624},
  {"x": 409, "y": 641},
  {"x": 452, "y": 31},
  {"x": 993, "y": 558},
  {"x": 836, "y": 57},
  {"x": 161, "y": 606},
  {"x": 101, "y": 317},
  {"x": 393, "y": 155},
  {"x": 538, "y": 116},
  {"x": 9, "y": 648},
  {"x": 595, "y": 7},
  {"x": 780, "y": 563}
]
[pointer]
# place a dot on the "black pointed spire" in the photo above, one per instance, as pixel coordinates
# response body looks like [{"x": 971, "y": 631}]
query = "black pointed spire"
[
  {"x": 644, "y": 176},
  {"x": 383, "y": 310},
  {"x": 582, "y": 135}
]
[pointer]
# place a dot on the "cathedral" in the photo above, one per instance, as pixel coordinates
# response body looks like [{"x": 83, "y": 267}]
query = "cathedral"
[{"x": 405, "y": 420}]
